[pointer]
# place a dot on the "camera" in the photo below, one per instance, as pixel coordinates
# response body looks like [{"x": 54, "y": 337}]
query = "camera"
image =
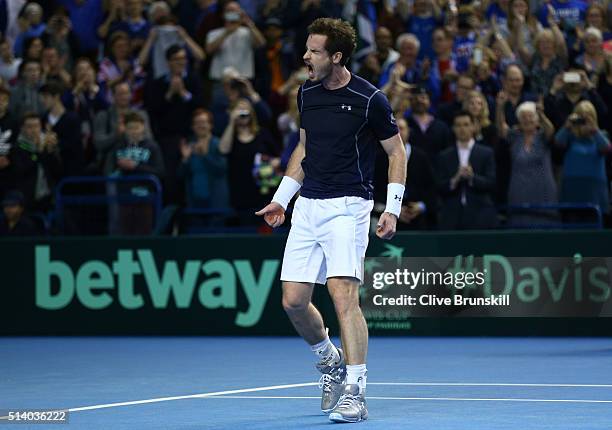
[
  {"x": 577, "y": 120},
  {"x": 571, "y": 78}
]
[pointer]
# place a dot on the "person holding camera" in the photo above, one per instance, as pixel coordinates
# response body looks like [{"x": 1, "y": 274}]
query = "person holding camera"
[
  {"x": 584, "y": 172},
  {"x": 234, "y": 43},
  {"x": 242, "y": 141},
  {"x": 568, "y": 89}
]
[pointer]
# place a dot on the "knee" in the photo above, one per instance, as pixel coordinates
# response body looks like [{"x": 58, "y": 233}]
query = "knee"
[
  {"x": 346, "y": 299},
  {"x": 294, "y": 304}
]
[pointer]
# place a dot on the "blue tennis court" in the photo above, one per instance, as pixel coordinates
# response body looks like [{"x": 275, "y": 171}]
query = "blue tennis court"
[{"x": 271, "y": 383}]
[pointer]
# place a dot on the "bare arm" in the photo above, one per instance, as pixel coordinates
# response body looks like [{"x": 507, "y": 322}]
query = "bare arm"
[
  {"x": 227, "y": 139},
  {"x": 143, "y": 55},
  {"x": 500, "y": 115},
  {"x": 195, "y": 49},
  {"x": 214, "y": 45},
  {"x": 394, "y": 147},
  {"x": 294, "y": 167}
]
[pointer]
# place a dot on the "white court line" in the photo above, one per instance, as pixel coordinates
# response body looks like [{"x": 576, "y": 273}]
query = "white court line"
[
  {"x": 306, "y": 384},
  {"x": 443, "y": 399},
  {"x": 487, "y": 384},
  {"x": 190, "y": 396}
]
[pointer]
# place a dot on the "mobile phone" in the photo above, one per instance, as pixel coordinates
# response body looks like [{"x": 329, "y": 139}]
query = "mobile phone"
[
  {"x": 477, "y": 56},
  {"x": 571, "y": 78}
]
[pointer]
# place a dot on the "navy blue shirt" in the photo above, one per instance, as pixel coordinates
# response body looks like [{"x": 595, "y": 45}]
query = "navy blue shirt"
[{"x": 343, "y": 127}]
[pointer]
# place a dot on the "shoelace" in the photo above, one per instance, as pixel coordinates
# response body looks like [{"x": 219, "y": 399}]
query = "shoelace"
[
  {"x": 325, "y": 382},
  {"x": 347, "y": 400}
]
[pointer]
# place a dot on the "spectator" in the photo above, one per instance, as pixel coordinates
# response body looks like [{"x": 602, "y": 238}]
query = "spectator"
[
  {"x": 59, "y": 34},
  {"x": 15, "y": 222},
  {"x": 119, "y": 66},
  {"x": 443, "y": 68},
  {"x": 24, "y": 95},
  {"x": 531, "y": 178},
  {"x": 514, "y": 88},
  {"x": 427, "y": 132},
  {"x": 109, "y": 124},
  {"x": 32, "y": 49},
  {"x": 498, "y": 12},
  {"x": 419, "y": 202},
  {"x": 9, "y": 65},
  {"x": 406, "y": 66},
  {"x": 53, "y": 67},
  {"x": 273, "y": 64},
  {"x": 130, "y": 21},
  {"x": 204, "y": 168},
  {"x": 604, "y": 89},
  {"x": 86, "y": 17},
  {"x": 379, "y": 60},
  {"x": 171, "y": 101},
  {"x": 465, "y": 39},
  {"x": 466, "y": 180},
  {"x": 37, "y": 163},
  {"x": 569, "y": 14},
  {"x": 242, "y": 141},
  {"x": 464, "y": 85},
  {"x": 523, "y": 29},
  {"x": 584, "y": 176},
  {"x": 162, "y": 37},
  {"x": 35, "y": 27},
  {"x": 66, "y": 126},
  {"x": 7, "y": 140},
  {"x": 568, "y": 90},
  {"x": 233, "y": 44},
  {"x": 592, "y": 60},
  {"x": 86, "y": 99},
  {"x": 596, "y": 17},
  {"x": 425, "y": 17},
  {"x": 15, "y": 21},
  {"x": 485, "y": 132},
  {"x": 134, "y": 154},
  {"x": 548, "y": 61}
]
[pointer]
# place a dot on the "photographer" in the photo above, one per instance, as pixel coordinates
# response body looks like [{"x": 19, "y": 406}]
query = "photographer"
[
  {"x": 567, "y": 91},
  {"x": 584, "y": 174},
  {"x": 236, "y": 87}
]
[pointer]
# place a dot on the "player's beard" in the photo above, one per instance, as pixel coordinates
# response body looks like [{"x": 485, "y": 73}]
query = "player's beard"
[{"x": 321, "y": 72}]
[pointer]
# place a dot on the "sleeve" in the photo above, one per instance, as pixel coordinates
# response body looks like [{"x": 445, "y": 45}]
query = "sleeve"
[
  {"x": 380, "y": 117},
  {"x": 299, "y": 100},
  {"x": 563, "y": 137}
]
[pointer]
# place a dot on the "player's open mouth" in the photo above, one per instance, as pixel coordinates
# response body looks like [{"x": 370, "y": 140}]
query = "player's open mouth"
[{"x": 310, "y": 71}]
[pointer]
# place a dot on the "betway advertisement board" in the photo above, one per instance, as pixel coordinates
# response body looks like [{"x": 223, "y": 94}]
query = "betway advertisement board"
[{"x": 229, "y": 285}]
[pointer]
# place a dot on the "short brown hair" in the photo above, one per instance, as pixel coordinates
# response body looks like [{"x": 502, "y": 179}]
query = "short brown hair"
[
  {"x": 133, "y": 116},
  {"x": 340, "y": 34}
]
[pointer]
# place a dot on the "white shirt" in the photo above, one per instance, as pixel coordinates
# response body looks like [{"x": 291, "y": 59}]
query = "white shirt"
[
  {"x": 464, "y": 153},
  {"x": 235, "y": 51}
]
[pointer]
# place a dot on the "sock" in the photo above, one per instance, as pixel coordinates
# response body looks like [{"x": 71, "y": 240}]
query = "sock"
[
  {"x": 325, "y": 350},
  {"x": 356, "y": 374}
]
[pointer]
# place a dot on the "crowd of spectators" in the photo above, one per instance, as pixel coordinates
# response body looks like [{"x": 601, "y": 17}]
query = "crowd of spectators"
[{"x": 500, "y": 102}]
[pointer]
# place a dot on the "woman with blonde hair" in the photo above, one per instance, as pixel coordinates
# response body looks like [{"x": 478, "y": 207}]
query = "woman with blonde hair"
[
  {"x": 245, "y": 142},
  {"x": 584, "y": 172},
  {"x": 548, "y": 60},
  {"x": 484, "y": 130}
]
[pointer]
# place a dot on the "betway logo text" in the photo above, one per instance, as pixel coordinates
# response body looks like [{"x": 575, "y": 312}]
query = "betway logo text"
[{"x": 96, "y": 284}]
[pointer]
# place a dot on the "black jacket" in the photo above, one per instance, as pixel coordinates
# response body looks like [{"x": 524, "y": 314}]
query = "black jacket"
[{"x": 478, "y": 210}]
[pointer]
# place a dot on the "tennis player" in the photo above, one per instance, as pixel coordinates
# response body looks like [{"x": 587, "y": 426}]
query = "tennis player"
[{"x": 342, "y": 119}]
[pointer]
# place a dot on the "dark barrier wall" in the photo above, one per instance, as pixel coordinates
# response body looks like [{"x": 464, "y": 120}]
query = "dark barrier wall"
[{"x": 229, "y": 285}]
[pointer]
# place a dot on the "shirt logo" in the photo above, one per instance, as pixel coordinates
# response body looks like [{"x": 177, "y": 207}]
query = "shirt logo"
[
  {"x": 346, "y": 107},
  {"x": 392, "y": 119},
  {"x": 397, "y": 198}
]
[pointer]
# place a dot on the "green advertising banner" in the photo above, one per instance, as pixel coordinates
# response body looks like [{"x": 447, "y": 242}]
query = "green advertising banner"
[{"x": 229, "y": 285}]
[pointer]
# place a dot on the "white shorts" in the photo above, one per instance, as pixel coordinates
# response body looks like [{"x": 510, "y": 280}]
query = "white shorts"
[{"x": 328, "y": 238}]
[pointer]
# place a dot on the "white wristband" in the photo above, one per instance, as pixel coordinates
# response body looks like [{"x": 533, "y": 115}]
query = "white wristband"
[
  {"x": 286, "y": 190},
  {"x": 395, "y": 194}
]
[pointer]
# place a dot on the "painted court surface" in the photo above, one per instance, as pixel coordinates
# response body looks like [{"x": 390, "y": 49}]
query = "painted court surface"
[{"x": 270, "y": 383}]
